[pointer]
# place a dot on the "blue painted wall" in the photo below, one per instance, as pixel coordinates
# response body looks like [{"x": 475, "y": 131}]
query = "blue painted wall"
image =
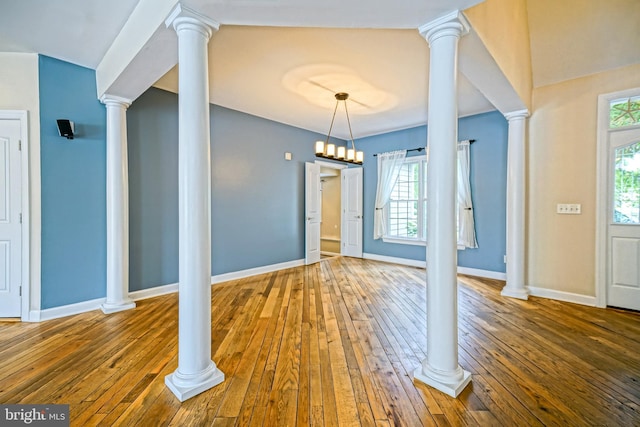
[
  {"x": 73, "y": 185},
  {"x": 257, "y": 196},
  {"x": 489, "y": 189},
  {"x": 152, "y": 134},
  {"x": 488, "y": 185}
]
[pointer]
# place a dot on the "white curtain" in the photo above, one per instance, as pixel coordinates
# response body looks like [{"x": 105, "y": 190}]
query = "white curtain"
[
  {"x": 389, "y": 165},
  {"x": 466, "y": 226}
]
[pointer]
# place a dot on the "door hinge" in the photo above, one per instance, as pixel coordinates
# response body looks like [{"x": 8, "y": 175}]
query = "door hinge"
[
  {"x": 20, "y": 290},
  {"x": 20, "y": 217},
  {"x": 19, "y": 145}
]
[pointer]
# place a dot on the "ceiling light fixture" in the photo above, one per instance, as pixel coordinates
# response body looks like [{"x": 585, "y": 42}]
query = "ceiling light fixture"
[{"x": 341, "y": 153}]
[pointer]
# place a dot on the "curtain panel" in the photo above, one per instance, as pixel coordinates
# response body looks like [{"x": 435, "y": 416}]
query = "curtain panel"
[
  {"x": 389, "y": 165},
  {"x": 466, "y": 226}
]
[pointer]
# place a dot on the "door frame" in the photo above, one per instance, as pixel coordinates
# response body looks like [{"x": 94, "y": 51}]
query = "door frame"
[
  {"x": 22, "y": 116},
  {"x": 339, "y": 167},
  {"x": 602, "y": 191}
]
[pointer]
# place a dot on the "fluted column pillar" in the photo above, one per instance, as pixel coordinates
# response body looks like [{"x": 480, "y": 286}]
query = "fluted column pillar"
[
  {"x": 516, "y": 287},
  {"x": 196, "y": 371},
  {"x": 117, "y": 206},
  {"x": 440, "y": 368}
]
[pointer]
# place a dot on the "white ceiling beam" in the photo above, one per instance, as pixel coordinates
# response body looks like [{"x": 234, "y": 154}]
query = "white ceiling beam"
[
  {"x": 479, "y": 67},
  {"x": 144, "y": 50}
]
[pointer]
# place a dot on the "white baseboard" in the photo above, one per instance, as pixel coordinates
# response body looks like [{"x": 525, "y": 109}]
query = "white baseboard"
[
  {"x": 394, "y": 260},
  {"x": 562, "y": 296},
  {"x": 482, "y": 273},
  {"x": 153, "y": 292},
  {"x": 422, "y": 264},
  {"x": 327, "y": 253},
  {"x": 234, "y": 275},
  {"x": 96, "y": 304},
  {"x": 67, "y": 310}
]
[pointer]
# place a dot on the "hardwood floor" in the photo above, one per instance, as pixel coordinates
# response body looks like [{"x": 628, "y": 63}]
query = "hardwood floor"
[{"x": 334, "y": 344}]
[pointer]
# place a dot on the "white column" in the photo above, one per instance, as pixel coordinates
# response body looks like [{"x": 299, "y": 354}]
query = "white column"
[
  {"x": 117, "y": 206},
  {"x": 196, "y": 371},
  {"x": 516, "y": 287},
  {"x": 440, "y": 368}
]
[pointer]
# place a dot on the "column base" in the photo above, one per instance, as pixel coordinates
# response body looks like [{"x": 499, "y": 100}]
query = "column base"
[
  {"x": 108, "y": 308},
  {"x": 515, "y": 293},
  {"x": 451, "y": 386},
  {"x": 186, "y": 386}
]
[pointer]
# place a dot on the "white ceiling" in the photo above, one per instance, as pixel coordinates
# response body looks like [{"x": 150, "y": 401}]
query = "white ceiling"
[
  {"x": 271, "y": 58},
  {"x": 290, "y": 75}
]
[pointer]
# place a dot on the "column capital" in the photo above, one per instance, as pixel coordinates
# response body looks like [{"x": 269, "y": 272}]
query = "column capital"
[
  {"x": 451, "y": 24},
  {"x": 519, "y": 114},
  {"x": 182, "y": 15},
  {"x": 107, "y": 99}
]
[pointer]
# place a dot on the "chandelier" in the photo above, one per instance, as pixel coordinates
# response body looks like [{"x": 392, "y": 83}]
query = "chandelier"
[{"x": 341, "y": 153}]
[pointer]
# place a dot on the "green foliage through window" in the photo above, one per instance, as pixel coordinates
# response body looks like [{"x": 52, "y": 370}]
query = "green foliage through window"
[{"x": 627, "y": 185}]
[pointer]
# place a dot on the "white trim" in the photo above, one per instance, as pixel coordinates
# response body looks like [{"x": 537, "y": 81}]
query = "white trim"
[
  {"x": 156, "y": 291},
  {"x": 327, "y": 253},
  {"x": 69, "y": 310},
  {"x": 330, "y": 165},
  {"x": 401, "y": 241},
  {"x": 488, "y": 274},
  {"x": 22, "y": 116},
  {"x": 602, "y": 178},
  {"x": 563, "y": 296},
  {"x": 85, "y": 306},
  {"x": 234, "y": 275},
  {"x": 411, "y": 242},
  {"x": 330, "y": 239},
  {"x": 422, "y": 264},
  {"x": 394, "y": 260}
]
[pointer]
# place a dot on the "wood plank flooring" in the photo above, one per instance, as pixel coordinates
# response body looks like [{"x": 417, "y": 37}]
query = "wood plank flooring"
[{"x": 335, "y": 344}]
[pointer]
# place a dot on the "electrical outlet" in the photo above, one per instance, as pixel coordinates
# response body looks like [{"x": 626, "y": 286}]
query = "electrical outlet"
[{"x": 569, "y": 208}]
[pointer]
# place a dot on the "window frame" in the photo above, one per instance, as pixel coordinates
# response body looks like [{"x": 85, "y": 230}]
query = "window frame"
[
  {"x": 422, "y": 209},
  {"x": 422, "y": 196}
]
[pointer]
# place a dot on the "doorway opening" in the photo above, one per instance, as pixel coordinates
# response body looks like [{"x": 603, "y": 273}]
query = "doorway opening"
[
  {"x": 331, "y": 224},
  {"x": 340, "y": 221}
]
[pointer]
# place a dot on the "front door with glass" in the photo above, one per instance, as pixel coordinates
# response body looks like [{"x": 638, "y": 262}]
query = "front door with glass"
[{"x": 623, "y": 272}]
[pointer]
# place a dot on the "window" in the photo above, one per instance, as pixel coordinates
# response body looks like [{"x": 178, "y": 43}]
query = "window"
[
  {"x": 406, "y": 210},
  {"x": 624, "y": 112},
  {"x": 627, "y": 185}
]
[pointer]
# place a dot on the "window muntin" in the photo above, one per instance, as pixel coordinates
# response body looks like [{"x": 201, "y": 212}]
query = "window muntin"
[
  {"x": 626, "y": 194},
  {"x": 624, "y": 112},
  {"x": 406, "y": 210}
]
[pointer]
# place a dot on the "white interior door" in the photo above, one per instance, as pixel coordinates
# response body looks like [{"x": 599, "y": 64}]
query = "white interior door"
[
  {"x": 623, "y": 236},
  {"x": 351, "y": 236},
  {"x": 10, "y": 218},
  {"x": 313, "y": 213}
]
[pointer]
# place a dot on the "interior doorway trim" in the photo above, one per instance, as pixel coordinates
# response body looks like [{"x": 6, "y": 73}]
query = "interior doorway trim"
[
  {"x": 602, "y": 191},
  {"x": 22, "y": 116}
]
